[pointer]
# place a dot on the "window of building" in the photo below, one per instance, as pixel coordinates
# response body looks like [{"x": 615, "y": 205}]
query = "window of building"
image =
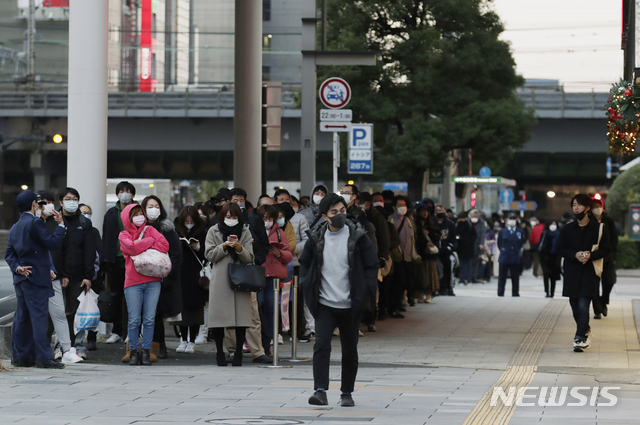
[
  {"x": 113, "y": 77},
  {"x": 266, "y": 10},
  {"x": 266, "y": 42},
  {"x": 266, "y": 73}
]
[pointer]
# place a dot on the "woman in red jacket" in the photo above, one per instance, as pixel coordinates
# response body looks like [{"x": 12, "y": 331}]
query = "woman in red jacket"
[
  {"x": 141, "y": 292},
  {"x": 275, "y": 268}
]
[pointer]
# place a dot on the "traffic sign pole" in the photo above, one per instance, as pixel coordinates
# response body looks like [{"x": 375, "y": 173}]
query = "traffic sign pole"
[{"x": 336, "y": 160}]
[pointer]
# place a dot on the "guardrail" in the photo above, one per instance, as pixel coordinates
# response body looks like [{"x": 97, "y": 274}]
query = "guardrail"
[
  {"x": 547, "y": 102},
  {"x": 5, "y": 328}
]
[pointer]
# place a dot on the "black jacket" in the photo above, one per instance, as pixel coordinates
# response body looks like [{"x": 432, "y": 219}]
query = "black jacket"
[
  {"x": 56, "y": 254},
  {"x": 111, "y": 228},
  {"x": 78, "y": 249},
  {"x": 382, "y": 231},
  {"x": 466, "y": 238},
  {"x": 363, "y": 267},
  {"x": 170, "y": 302},
  {"x": 581, "y": 281},
  {"x": 613, "y": 236},
  {"x": 193, "y": 295},
  {"x": 447, "y": 236},
  {"x": 422, "y": 242},
  {"x": 261, "y": 244},
  {"x": 549, "y": 259}
]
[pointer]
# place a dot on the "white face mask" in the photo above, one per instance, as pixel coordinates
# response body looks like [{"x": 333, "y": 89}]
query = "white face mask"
[
  {"x": 347, "y": 198},
  {"x": 402, "y": 211},
  {"x": 87, "y": 216},
  {"x": 38, "y": 213},
  {"x": 125, "y": 197},
  {"x": 553, "y": 228},
  {"x": 268, "y": 224},
  {"x": 317, "y": 199},
  {"x": 533, "y": 223},
  {"x": 474, "y": 219},
  {"x": 71, "y": 206},
  {"x": 597, "y": 211},
  {"x": 48, "y": 210},
  {"x": 231, "y": 222},
  {"x": 153, "y": 213},
  {"x": 296, "y": 209},
  {"x": 138, "y": 220},
  {"x": 189, "y": 226},
  {"x": 378, "y": 204},
  {"x": 511, "y": 223}
]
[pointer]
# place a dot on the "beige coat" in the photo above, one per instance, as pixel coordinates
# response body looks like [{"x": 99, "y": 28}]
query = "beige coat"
[{"x": 227, "y": 308}]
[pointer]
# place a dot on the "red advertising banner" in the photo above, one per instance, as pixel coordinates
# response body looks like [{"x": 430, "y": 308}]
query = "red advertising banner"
[{"x": 146, "y": 41}]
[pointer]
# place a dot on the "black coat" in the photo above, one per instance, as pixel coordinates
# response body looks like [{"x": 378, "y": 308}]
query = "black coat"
[
  {"x": 193, "y": 295},
  {"x": 170, "y": 302},
  {"x": 613, "y": 236},
  {"x": 447, "y": 237},
  {"x": 549, "y": 259},
  {"x": 581, "y": 281},
  {"x": 422, "y": 242},
  {"x": 363, "y": 265},
  {"x": 111, "y": 228},
  {"x": 261, "y": 244},
  {"x": 78, "y": 249},
  {"x": 466, "y": 238}
]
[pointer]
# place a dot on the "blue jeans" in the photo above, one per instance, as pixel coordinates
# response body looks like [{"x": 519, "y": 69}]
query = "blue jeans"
[
  {"x": 580, "y": 308},
  {"x": 142, "y": 301},
  {"x": 466, "y": 268}
]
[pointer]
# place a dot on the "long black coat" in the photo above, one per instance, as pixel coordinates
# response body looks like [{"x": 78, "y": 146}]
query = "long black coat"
[
  {"x": 193, "y": 295},
  {"x": 422, "y": 242},
  {"x": 466, "y": 237},
  {"x": 170, "y": 302},
  {"x": 581, "y": 281},
  {"x": 549, "y": 259}
]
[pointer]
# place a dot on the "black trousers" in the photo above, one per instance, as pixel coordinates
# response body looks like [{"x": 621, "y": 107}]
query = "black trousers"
[
  {"x": 402, "y": 277},
  {"x": 580, "y": 308},
  {"x": 384, "y": 300},
  {"x": 445, "y": 283},
  {"x": 115, "y": 278},
  {"x": 608, "y": 279},
  {"x": 515, "y": 270},
  {"x": 369, "y": 316},
  {"x": 549, "y": 285},
  {"x": 327, "y": 319}
]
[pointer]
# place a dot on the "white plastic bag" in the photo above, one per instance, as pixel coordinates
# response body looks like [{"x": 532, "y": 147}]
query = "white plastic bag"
[{"x": 88, "y": 315}]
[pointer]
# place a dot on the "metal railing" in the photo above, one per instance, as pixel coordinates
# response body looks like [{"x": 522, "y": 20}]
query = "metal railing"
[{"x": 5, "y": 327}]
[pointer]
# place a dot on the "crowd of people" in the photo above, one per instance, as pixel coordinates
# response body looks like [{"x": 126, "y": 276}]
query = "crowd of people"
[{"x": 361, "y": 257}]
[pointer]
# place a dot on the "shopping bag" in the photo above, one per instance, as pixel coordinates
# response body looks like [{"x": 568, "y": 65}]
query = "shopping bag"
[{"x": 88, "y": 315}]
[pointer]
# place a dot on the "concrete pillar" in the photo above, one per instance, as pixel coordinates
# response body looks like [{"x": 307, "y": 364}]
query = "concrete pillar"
[
  {"x": 247, "y": 122},
  {"x": 87, "y": 122},
  {"x": 308, "y": 100}
]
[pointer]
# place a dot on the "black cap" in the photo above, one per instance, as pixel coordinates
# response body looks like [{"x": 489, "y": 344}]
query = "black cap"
[
  {"x": 512, "y": 215},
  {"x": 365, "y": 197},
  {"x": 26, "y": 198},
  {"x": 223, "y": 193}
]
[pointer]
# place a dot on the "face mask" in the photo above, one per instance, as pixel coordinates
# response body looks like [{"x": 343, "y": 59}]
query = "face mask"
[
  {"x": 242, "y": 206},
  {"x": 268, "y": 224},
  {"x": 317, "y": 199},
  {"x": 280, "y": 222},
  {"x": 138, "y": 220},
  {"x": 533, "y": 223},
  {"x": 511, "y": 223},
  {"x": 296, "y": 209},
  {"x": 189, "y": 226},
  {"x": 363, "y": 207},
  {"x": 347, "y": 198},
  {"x": 203, "y": 218},
  {"x": 231, "y": 222},
  {"x": 125, "y": 197},
  {"x": 402, "y": 211},
  {"x": 553, "y": 228},
  {"x": 441, "y": 216},
  {"x": 338, "y": 221},
  {"x": 87, "y": 216},
  {"x": 378, "y": 204},
  {"x": 153, "y": 213},
  {"x": 71, "y": 206},
  {"x": 38, "y": 213},
  {"x": 474, "y": 219},
  {"x": 597, "y": 211},
  {"x": 48, "y": 209},
  {"x": 581, "y": 215}
]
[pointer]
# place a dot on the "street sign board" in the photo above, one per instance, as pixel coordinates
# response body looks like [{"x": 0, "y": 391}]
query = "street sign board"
[
  {"x": 396, "y": 186},
  {"x": 361, "y": 149},
  {"x": 335, "y": 93},
  {"x": 524, "y": 205},
  {"x": 506, "y": 196},
  {"x": 329, "y": 126},
  {"x": 336, "y": 115},
  {"x": 634, "y": 222},
  {"x": 485, "y": 172}
]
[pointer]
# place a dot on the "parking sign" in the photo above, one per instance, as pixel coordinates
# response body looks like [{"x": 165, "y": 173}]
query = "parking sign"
[{"x": 361, "y": 149}]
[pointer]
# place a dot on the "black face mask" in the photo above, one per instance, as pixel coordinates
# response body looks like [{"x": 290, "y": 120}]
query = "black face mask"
[
  {"x": 441, "y": 216},
  {"x": 338, "y": 221},
  {"x": 580, "y": 216}
]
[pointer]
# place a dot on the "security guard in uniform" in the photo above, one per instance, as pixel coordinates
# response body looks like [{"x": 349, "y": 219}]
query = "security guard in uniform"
[
  {"x": 511, "y": 244},
  {"x": 29, "y": 260}
]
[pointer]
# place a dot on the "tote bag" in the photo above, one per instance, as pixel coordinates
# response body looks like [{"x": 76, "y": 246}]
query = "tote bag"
[
  {"x": 152, "y": 262},
  {"x": 598, "y": 265}
]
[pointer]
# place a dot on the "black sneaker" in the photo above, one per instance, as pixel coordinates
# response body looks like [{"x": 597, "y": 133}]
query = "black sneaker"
[
  {"x": 28, "y": 363},
  {"x": 397, "y": 315},
  {"x": 91, "y": 346},
  {"x": 605, "y": 310},
  {"x": 597, "y": 316},
  {"x": 50, "y": 364},
  {"x": 371, "y": 328},
  {"x": 319, "y": 398},
  {"x": 263, "y": 359},
  {"x": 346, "y": 400}
]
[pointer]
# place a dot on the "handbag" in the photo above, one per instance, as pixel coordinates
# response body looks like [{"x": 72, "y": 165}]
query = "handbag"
[
  {"x": 107, "y": 301},
  {"x": 598, "y": 265},
  {"x": 205, "y": 271},
  {"x": 246, "y": 277},
  {"x": 152, "y": 262}
]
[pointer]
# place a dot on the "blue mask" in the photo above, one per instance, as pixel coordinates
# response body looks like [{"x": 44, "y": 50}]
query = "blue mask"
[
  {"x": 87, "y": 216},
  {"x": 280, "y": 222}
]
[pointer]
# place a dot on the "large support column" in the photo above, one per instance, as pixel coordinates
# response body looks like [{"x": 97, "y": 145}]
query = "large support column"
[
  {"x": 308, "y": 101},
  {"x": 247, "y": 122},
  {"x": 87, "y": 123}
]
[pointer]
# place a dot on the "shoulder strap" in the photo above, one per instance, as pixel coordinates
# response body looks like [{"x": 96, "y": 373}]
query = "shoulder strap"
[
  {"x": 202, "y": 264},
  {"x": 142, "y": 233},
  {"x": 600, "y": 233},
  {"x": 401, "y": 224},
  {"x": 278, "y": 234}
]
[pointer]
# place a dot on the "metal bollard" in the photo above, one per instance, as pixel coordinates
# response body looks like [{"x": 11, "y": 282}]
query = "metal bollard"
[
  {"x": 294, "y": 325},
  {"x": 276, "y": 321}
]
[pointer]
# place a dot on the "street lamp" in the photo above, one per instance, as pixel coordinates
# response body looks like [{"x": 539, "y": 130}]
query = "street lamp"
[{"x": 551, "y": 194}]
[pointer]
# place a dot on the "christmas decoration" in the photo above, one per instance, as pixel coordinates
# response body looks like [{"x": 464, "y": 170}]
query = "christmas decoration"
[{"x": 623, "y": 110}]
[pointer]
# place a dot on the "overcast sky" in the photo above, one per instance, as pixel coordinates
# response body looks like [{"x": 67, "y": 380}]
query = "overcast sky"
[{"x": 576, "y": 42}]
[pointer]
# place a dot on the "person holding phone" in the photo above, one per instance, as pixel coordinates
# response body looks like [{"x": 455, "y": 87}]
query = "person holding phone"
[
  {"x": 229, "y": 241},
  {"x": 275, "y": 268}
]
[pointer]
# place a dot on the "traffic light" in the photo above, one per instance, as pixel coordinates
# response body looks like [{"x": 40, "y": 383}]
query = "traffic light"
[
  {"x": 473, "y": 198},
  {"x": 57, "y": 139}
]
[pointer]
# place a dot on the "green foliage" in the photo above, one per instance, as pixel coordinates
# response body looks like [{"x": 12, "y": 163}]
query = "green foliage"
[
  {"x": 624, "y": 191},
  {"x": 443, "y": 81},
  {"x": 628, "y": 254}
]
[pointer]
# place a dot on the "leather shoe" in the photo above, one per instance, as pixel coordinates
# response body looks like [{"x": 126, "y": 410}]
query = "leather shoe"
[
  {"x": 263, "y": 359},
  {"x": 145, "y": 357},
  {"x": 50, "y": 364},
  {"x": 134, "y": 357},
  {"x": 346, "y": 400},
  {"x": 27, "y": 363},
  {"x": 605, "y": 310},
  {"x": 319, "y": 398},
  {"x": 396, "y": 315},
  {"x": 91, "y": 346}
]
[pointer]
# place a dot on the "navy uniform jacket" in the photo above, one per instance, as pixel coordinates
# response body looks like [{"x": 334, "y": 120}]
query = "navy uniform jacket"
[
  {"x": 510, "y": 245},
  {"x": 29, "y": 245}
]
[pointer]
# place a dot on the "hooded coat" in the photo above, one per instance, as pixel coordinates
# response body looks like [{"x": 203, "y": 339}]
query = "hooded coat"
[
  {"x": 312, "y": 212},
  {"x": 131, "y": 246}
]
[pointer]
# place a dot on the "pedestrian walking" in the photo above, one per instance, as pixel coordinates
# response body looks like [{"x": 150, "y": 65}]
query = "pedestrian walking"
[
  {"x": 549, "y": 259},
  {"x": 576, "y": 244},
  {"x": 511, "y": 240},
  {"x": 608, "y": 279},
  {"x": 141, "y": 292},
  {"x": 28, "y": 258},
  {"x": 537, "y": 227},
  {"x": 338, "y": 269}
]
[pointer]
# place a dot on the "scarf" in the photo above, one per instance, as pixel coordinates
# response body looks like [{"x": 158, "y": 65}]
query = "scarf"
[{"x": 228, "y": 231}]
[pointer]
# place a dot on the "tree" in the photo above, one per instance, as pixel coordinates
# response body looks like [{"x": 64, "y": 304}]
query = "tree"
[
  {"x": 444, "y": 81},
  {"x": 624, "y": 191}
]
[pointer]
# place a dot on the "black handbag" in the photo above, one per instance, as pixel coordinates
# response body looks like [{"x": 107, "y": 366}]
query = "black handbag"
[
  {"x": 107, "y": 305},
  {"x": 246, "y": 277}
]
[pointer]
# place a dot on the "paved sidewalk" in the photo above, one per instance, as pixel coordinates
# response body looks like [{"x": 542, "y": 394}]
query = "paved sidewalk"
[{"x": 432, "y": 367}]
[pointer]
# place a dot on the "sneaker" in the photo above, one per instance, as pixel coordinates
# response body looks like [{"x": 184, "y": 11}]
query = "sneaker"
[
  {"x": 113, "y": 339},
  {"x": 71, "y": 356},
  {"x": 346, "y": 400},
  {"x": 597, "y": 316},
  {"x": 190, "y": 348},
  {"x": 81, "y": 352},
  {"x": 579, "y": 345},
  {"x": 397, "y": 315},
  {"x": 245, "y": 348},
  {"x": 589, "y": 337},
  {"x": 280, "y": 340},
  {"x": 57, "y": 352},
  {"x": 50, "y": 364},
  {"x": 181, "y": 347},
  {"x": 360, "y": 333},
  {"x": 201, "y": 339},
  {"x": 336, "y": 332},
  {"x": 263, "y": 359},
  {"x": 371, "y": 328},
  {"x": 428, "y": 299},
  {"x": 319, "y": 398}
]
